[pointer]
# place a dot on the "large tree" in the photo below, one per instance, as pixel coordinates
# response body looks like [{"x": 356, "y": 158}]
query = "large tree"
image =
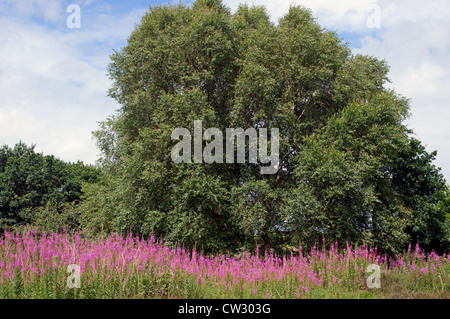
[{"x": 340, "y": 132}]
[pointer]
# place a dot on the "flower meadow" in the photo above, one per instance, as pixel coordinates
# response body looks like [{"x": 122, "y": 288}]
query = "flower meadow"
[{"x": 35, "y": 265}]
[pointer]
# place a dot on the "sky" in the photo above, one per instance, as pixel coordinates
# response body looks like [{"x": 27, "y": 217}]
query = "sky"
[{"x": 53, "y": 71}]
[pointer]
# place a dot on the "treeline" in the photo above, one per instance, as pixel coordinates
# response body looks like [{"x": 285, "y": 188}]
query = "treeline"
[
  {"x": 48, "y": 193},
  {"x": 40, "y": 189}
]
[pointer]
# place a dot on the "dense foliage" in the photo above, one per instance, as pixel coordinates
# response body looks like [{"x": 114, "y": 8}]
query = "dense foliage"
[
  {"x": 37, "y": 188},
  {"x": 422, "y": 189},
  {"x": 348, "y": 169}
]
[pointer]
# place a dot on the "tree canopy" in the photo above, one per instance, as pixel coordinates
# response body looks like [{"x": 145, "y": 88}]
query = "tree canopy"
[{"x": 344, "y": 148}]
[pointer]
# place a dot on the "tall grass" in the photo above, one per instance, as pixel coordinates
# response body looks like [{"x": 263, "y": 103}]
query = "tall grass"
[{"x": 34, "y": 265}]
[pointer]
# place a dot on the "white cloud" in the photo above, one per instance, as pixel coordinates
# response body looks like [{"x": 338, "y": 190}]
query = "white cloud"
[
  {"x": 52, "y": 94},
  {"x": 353, "y": 15},
  {"x": 49, "y": 10},
  {"x": 416, "y": 44},
  {"x": 343, "y": 14}
]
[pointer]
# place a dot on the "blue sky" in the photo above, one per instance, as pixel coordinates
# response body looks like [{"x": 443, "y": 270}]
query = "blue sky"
[{"x": 53, "y": 79}]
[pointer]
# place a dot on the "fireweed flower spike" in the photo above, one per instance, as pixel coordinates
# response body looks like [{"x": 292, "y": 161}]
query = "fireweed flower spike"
[{"x": 118, "y": 266}]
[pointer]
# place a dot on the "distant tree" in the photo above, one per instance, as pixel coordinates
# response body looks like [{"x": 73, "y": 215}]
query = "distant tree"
[
  {"x": 422, "y": 189},
  {"x": 29, "y": 180}
]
